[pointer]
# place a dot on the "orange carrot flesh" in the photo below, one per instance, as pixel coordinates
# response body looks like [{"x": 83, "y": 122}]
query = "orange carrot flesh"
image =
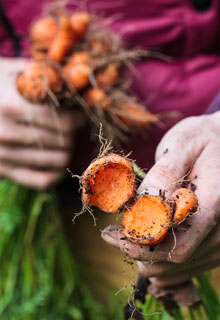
[
  {"x": 147, "y": 221},
  {"x": 35, "y": 81},
  {"x": 185, "y": 202},
  {"x": 77, "y": 75},
  {"x": 64, "y": 41},
  {"x": 96, "y": 97},
  {"x": 43, "y": 32},
  {"x": 79, "y": 22},
  {"x": 108, "y": 183},
  {"x": 108, "y": 76}
]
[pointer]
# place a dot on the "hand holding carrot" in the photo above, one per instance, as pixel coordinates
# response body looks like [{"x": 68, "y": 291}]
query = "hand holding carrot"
[
  {"x": 35, "y": 141},
  {"x": 191, "y": 147}
]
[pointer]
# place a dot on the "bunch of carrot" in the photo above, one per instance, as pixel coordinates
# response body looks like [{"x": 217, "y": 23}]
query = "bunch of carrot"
[
  {"x": 78, "y": 61},
  {"x": 109, "y": 183}
]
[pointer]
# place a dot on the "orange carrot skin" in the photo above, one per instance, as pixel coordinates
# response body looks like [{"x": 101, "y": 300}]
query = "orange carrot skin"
[
  {"x": 35, "y": 81},
  {"x": 184, "y": 202},
  {"x": 107, "y": 77},
  {"x": 96, "y": 97},
  {"x": 99, "y": 46},
  {"x": 64, "y": 41},
  {"x": 80, "y": 57},
  {"x": 108, "y": 183},
  {"x": 133, "y": 116},
  {"x": 77, "y": 75},
  {"x": 79, "y": 22},
  {"x": 43, "y": 32},
  {"x": 147, "y": 220}
]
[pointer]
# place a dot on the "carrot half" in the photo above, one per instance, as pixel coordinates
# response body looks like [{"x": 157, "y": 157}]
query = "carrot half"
[
  {"x": 108, "y": 183},
  {"x": 184, "y": 202},
  {"x": 147, "y": 221}
]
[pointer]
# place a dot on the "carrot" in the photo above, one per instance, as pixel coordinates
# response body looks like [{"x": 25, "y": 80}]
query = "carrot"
[
  {"x": 147, "y": 220},
  {"x": 108, "y": 76},
  {"x": 133, "y": 116},
  {"x": 77, "y": 75},
  {"x": 43, "y": 32},
  {"x": 100, "y": 46},
  {"x": 38, "y": 52},
  {"x": 184, "y": 202},
  {"x": 79, "y": 22},
  {"x": 64, "y": 41},
  {"x": 80, "y": 57},
  {"x": 108, "y": 183},
  {"x": 96, "y": 97},
  {"x": 37, "y": 80}
]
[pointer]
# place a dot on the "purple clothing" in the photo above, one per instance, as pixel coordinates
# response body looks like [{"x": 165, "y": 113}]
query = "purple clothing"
[
  {"x": 188, "y": 82},
  {"x": 214, "y": 106}
]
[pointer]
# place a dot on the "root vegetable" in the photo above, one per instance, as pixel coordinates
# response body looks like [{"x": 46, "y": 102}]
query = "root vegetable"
[
  {"x": 108, "y": 76},
  {"x": 133, "y": 116},
  {"x": 81, "y": 57},
  {"x": 184, "y": 202},
  {"x": 43, "y": 32},
  {"x": 63, "y": 42},
  {"x": 77, "y": 75},
  {"x": 147, "y": 221},
  {"x": 38, "y": 53},
  {"x": 108, "y": 183},
  {"x": 96, "y": 97},
  {"x": 100, "y": 46},
  {"x": 79, "y": 22},
  {"x": 36, "y": 80}
]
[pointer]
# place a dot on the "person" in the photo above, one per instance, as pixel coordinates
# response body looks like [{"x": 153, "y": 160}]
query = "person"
[{"x": 185, "y": 78}]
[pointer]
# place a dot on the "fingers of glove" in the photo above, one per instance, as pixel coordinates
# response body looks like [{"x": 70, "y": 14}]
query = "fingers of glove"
[
  {"x": 32, "y": 136},
  {"x": 64, "y": 121},
  {"x": 37, "y": 179},
  {"x": 41, "y": 158}
]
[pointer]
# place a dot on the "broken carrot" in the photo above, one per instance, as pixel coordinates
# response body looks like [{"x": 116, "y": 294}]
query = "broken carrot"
[
  {"x": 147, "y": 220},
  {"x": 108, "y": 183},
  {"x": 184, "y": 202}
]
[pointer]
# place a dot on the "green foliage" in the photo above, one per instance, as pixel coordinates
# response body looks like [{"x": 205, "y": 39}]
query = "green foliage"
[{"x": 39, "y": 279}]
